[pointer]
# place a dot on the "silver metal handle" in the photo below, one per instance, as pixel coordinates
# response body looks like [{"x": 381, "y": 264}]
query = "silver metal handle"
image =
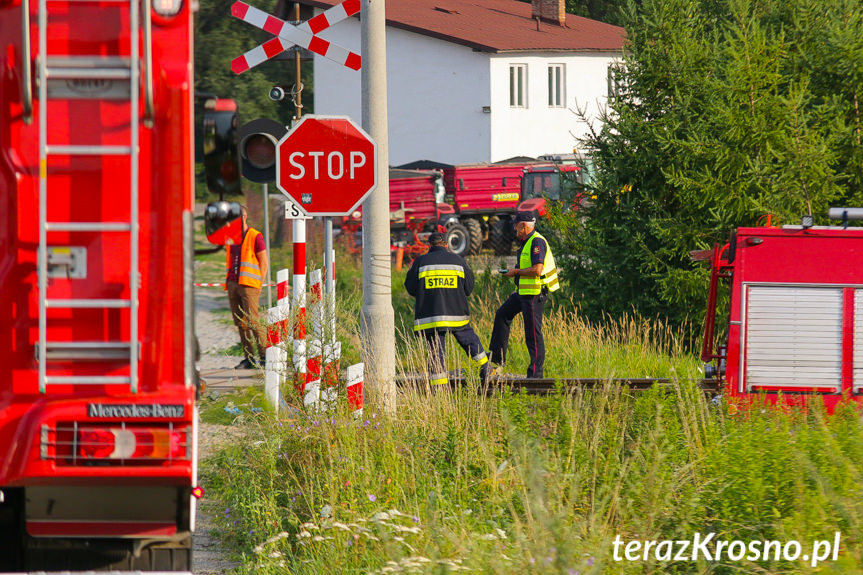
[
  {"x": 26, "y": 80},
  {"x": 149, "y": 112}
]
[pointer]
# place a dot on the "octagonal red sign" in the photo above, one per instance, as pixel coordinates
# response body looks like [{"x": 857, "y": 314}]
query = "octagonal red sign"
[{"x": 327, "y": 165}]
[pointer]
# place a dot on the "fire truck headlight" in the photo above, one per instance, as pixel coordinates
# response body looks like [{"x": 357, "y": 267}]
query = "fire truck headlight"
[{"x": 167, "y": 8}]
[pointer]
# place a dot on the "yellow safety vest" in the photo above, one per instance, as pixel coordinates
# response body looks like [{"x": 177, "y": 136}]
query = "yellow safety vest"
[
  {"x": 533, "y": 285},
  {"x": 250, "y": 271}
]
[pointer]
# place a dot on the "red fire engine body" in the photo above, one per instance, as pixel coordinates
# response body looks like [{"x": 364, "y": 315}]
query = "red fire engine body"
[
  {"x": 795, "y": 327},
  {"x": 97, "y": 378}
]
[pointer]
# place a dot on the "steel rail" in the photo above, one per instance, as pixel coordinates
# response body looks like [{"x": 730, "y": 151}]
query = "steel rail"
[{"x": 564, "y": 384}]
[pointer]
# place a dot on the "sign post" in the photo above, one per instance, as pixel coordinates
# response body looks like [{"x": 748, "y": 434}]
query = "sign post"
[{"x": 326, "y": 166}]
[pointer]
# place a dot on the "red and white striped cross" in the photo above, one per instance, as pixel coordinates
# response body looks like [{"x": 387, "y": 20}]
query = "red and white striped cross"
[{"x": 287, "y": 35}]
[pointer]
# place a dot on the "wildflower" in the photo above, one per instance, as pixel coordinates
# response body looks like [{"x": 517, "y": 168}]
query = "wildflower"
[
  {"x": 372, "y": 497},
  {"x": 415, "y": 519},
  {"x": 342, "y": 526},
  {"x": 260, "y": 547},
  {"x": 589, "y": 561}
]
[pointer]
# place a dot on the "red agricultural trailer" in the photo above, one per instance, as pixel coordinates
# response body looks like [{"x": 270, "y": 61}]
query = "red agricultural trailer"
[
  {"x": 417, "y": 206},
  {"x": 795, "y": 319},
  {"x": 97, "y": 378}
]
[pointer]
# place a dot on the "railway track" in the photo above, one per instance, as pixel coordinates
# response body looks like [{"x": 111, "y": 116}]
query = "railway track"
[{"x": 550, "y": 385}]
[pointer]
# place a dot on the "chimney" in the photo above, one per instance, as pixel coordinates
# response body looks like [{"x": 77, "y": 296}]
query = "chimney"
[{"x": 551, "y": 11}]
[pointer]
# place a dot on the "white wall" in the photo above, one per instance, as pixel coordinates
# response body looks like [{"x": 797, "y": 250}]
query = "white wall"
[
  {"x": 539, "y": 129},
  {"x": 435, "y": 94},
  {"x": 437, "y": 90}
]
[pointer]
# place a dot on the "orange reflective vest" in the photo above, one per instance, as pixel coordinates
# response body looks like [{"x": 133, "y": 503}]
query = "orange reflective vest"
[{"x": 250, "y": 271}]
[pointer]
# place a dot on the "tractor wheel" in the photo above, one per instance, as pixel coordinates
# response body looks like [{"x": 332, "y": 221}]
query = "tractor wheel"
[
  {"x": 475, "y": 230},
  {"x": 458, "y": 239},
  {"x": 500, "y": 237}
]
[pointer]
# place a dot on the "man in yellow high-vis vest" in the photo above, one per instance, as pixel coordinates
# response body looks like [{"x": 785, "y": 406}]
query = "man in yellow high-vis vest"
[
  {"x": 246, "y": 269},
  {"x": 536, "y": 276}
]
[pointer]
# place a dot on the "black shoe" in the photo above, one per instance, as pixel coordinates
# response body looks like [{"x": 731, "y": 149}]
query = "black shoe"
[{"x": 245, "y": 364}]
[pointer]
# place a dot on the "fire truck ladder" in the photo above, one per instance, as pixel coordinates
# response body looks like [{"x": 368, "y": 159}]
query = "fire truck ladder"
[{"x": 90, "y": 68}]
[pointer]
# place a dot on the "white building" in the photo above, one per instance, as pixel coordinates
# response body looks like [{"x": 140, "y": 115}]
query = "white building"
[{"x": 477, "y": 80}]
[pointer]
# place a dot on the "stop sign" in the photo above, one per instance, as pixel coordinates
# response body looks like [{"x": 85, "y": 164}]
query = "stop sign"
[{"x": 327, "y": 165}]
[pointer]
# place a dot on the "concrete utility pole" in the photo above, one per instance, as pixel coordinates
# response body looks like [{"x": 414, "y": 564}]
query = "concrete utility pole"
[{"x": 378, "y": 320}]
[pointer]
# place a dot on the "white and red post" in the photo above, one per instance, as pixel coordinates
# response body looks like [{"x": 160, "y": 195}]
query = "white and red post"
[
  {"x": 299, "y": 331},
  {"x": 277, "y": 330},
  {"x": 355, "y": 388}
]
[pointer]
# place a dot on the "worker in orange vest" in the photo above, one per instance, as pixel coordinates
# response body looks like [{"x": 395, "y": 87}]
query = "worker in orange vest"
[{"x": 246, "y": 269}]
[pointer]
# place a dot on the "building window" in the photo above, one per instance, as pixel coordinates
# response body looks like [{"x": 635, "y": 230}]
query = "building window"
[
  {"x": 556, "y": 96},
  {"x": 518, "y": 86}
]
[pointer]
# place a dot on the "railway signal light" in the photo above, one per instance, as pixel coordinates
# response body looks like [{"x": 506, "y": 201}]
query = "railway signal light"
[
  {"x": 223, "y": 223},
  {"x": 258, "y": 140},
  {"x": 221, "y": 159}
]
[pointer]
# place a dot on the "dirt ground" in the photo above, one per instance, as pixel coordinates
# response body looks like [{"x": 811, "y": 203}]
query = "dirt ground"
[{"x": 215, "y": 335}]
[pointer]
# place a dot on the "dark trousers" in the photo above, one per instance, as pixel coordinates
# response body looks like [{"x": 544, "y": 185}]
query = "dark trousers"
[
  {"x": 531, "y": 308},
  {"x": 469, "y": 342}
]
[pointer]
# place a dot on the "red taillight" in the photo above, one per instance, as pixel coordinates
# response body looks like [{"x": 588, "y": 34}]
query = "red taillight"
[
  {"x": 95, "y": 443},
  {"x": 129, "y": 443}
]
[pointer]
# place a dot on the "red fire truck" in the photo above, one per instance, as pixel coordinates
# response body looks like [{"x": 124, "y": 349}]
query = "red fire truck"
[
  {"x": 795, "y": 323},
  {"x": 97, "y": 378}
]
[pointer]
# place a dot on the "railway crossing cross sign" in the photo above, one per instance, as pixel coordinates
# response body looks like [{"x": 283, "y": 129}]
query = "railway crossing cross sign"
[
  {"x": 287, "y": 35},
  {"x": 326, "y": 165}
]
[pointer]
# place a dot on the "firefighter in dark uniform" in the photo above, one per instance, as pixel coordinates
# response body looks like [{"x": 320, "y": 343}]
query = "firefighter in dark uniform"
[
  {"x": 441, "y": 281},
  {"x": 536, "y": 276}
]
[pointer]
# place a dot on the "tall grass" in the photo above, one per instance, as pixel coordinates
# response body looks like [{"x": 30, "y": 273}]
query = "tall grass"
[
  {"x": 519, "y": 484},
  {"x": 513, "y": 484}
]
